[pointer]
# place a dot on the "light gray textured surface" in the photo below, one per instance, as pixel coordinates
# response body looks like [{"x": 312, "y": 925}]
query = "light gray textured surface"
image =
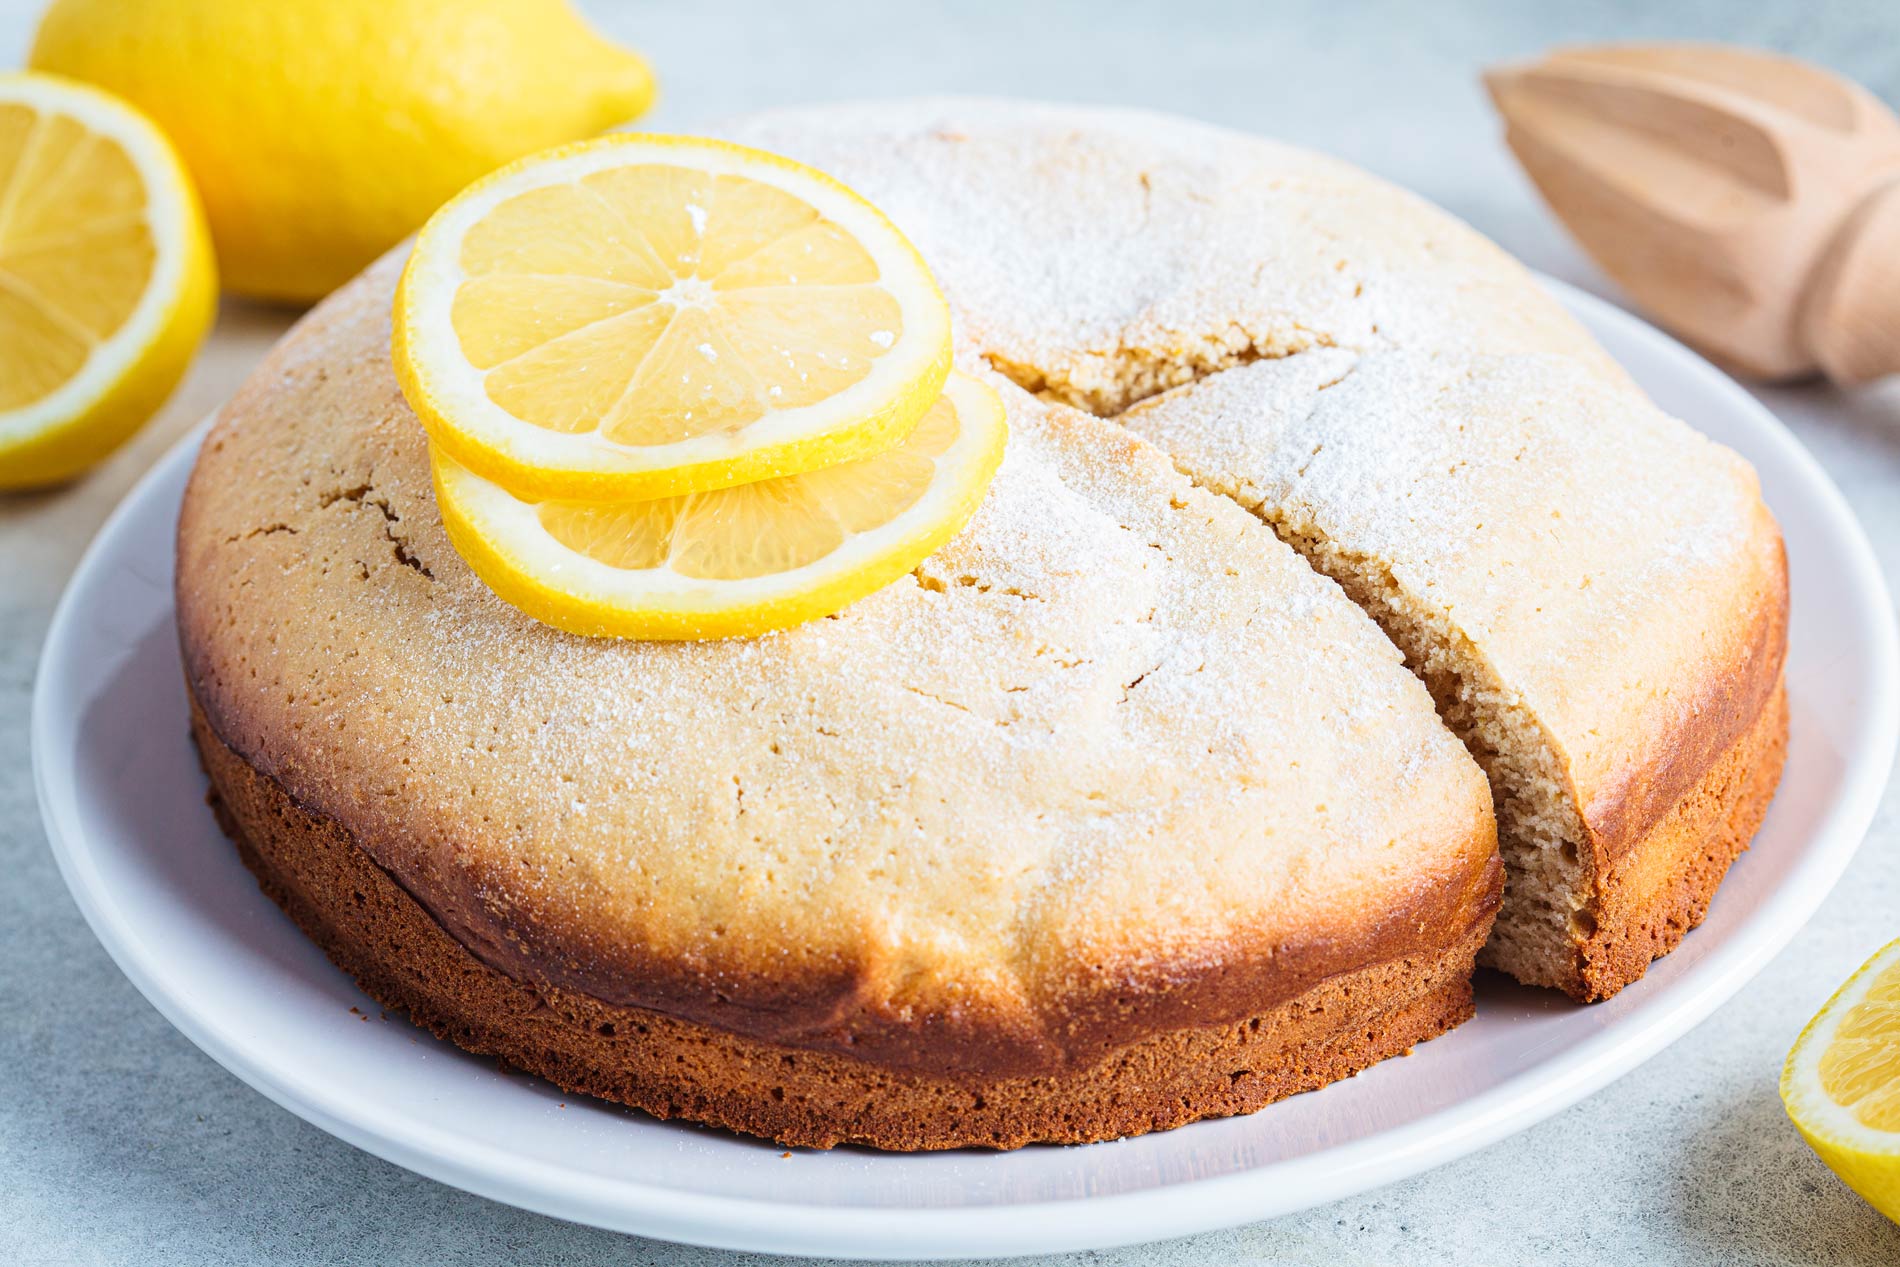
[{"x": 120, "y": 1142}]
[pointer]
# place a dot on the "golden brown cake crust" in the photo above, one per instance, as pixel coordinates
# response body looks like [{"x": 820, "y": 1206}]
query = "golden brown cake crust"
[
  {"x": 842, "y": 1013},
  {"x": 1655, "y": 891},
  {"x": 672, "y": 1067},
  {"x": 1739, "y": 697}
]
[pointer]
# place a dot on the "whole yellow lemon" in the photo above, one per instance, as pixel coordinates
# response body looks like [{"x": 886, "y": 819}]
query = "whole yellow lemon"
[{"x": 319, "y": 134}]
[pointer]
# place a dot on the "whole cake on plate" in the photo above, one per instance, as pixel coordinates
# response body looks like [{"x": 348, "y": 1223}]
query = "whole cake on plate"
[{"x": 1340, "y": 616}]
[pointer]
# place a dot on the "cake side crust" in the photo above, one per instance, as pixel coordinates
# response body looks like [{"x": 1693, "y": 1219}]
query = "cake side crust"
[
  {"x": 673, "y": 1067},
  {"x": 845, "y": 1004},
  {"x": 1659, "y": 887},
  {"x": 1738, "y": 691}
]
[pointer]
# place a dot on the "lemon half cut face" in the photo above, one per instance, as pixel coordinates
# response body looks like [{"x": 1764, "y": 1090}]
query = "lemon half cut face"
[
  {"x": 106, "y": 282},
  {"x": 1841, "y": 1083}
]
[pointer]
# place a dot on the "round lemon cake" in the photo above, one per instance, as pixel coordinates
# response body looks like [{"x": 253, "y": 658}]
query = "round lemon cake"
[{"x": 1339, "y": 615}]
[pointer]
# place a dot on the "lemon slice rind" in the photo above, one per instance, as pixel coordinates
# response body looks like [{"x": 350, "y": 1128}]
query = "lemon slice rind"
[
  {"x": 503, "y": 539},
  {"x": 131, "y": 371},
  {"x": 1867, "y": 1159},
  {"x": 866, "y": 417}
]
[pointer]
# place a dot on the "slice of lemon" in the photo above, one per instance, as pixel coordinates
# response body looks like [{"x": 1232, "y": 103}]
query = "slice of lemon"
[
  {"x": 1841, "y": 1084},
  {"x": 736, "y": 561},
  {"x": 106, "y": 281},
  {"x": 642, "y": 316}
]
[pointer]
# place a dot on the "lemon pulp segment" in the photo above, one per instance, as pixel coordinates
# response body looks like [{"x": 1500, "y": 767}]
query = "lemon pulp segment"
[
  {"x": 75, "y": 250},
  {"x": 734, "y": 561},
  {"x": 1841, "y": 1082},
  {"x": 736, "y": 299},
  {"x": 638, "y": 317},
  {"x": 1860, "y": 1069},
  {"x": 106, "y": 283},
  {"x": 750, "y": 530}
]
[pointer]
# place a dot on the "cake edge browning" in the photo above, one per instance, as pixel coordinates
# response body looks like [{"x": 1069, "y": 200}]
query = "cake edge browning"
[
  {"x": 1659, "y": 889},
  {"x": 1653, "y": 891},
  {"x": 1730, "y": 701},
  {"x": 1663, "y": 841},
  {"x": 671, "y": 1066}
]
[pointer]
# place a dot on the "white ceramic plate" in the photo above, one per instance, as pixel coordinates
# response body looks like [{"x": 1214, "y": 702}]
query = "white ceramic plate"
[{"x": 123, "y": 802}]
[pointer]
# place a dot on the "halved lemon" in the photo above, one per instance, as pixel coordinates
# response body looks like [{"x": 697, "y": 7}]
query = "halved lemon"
[
  {"x": 1841, "y": 1084},
  {"x": 738, "y": 561},
  {"x": 642, "y": 316},
  {"x": 106, "y": 280}
]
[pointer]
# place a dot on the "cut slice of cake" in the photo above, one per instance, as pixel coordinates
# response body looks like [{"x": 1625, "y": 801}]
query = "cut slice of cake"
[{"x": 1594, "y": 593}]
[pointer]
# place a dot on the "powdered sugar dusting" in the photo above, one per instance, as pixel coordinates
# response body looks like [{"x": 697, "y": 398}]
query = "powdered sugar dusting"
[
  {"x": 1339, "y": 353},
  {"x": 969, "y": 767}
]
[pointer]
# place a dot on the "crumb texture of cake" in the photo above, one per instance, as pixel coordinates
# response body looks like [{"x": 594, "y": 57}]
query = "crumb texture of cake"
[
  {"x": 1329, "y": 561},
  {"x": 1593, "y": 592}
]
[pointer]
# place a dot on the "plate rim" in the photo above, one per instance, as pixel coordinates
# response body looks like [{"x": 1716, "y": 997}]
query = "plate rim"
[{"x": 1083, "y": 1222}]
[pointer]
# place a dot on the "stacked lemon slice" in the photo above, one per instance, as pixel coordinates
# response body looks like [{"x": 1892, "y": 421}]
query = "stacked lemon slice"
[{"x": 677, "y": 388}]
